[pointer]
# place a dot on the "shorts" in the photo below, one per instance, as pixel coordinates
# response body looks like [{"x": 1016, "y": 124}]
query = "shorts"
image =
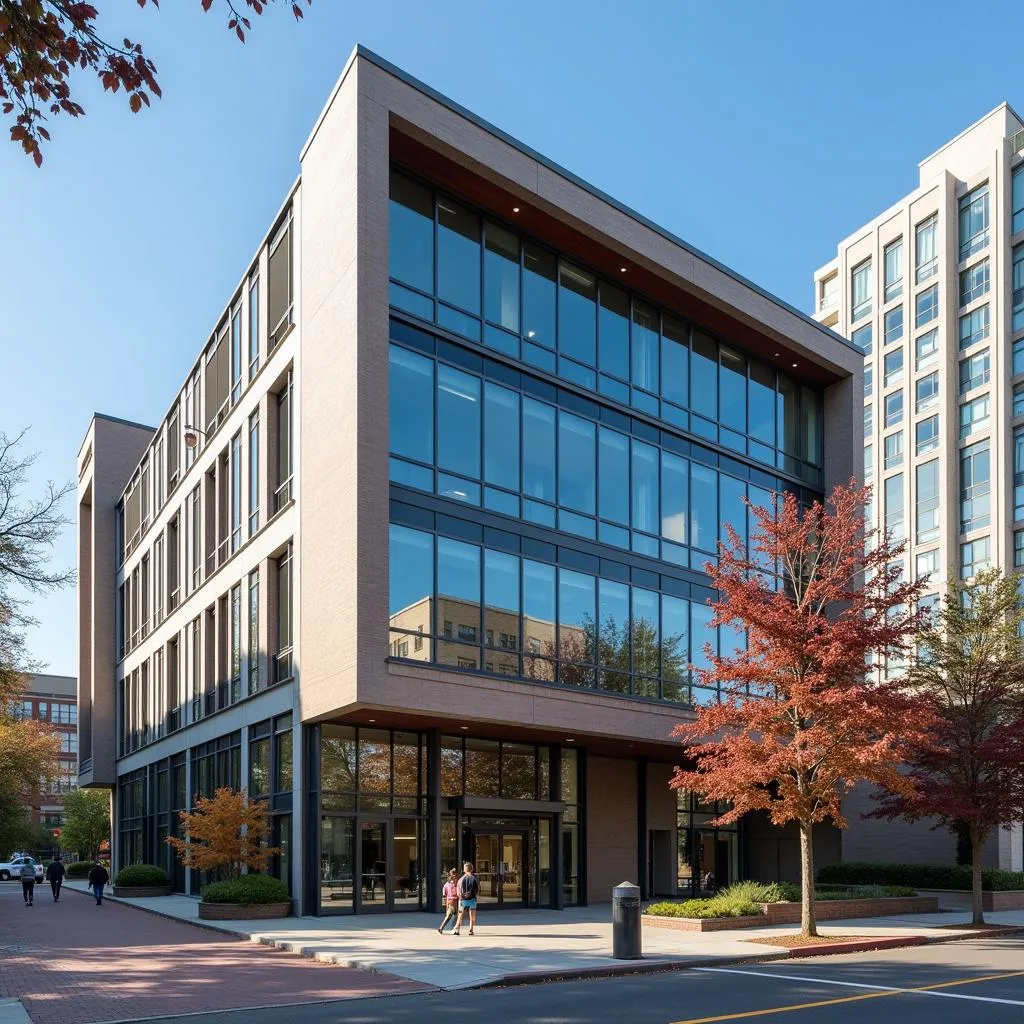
[{"x": 467, "y": 904}]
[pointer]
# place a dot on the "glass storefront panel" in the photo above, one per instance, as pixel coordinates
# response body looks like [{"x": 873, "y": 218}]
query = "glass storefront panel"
[
  {"x": 406, "y": 864},
  {"x": 373, "y": 872},
  {"x": 337, "y": 864}
]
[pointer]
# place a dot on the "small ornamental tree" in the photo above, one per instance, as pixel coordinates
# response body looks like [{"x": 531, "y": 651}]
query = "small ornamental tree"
[
  {"x": 968, "y": 769},
  {"x": 86, "y": 822},
  {"x": 226, "y": 832},
  {"x": 800, "y": 723}
]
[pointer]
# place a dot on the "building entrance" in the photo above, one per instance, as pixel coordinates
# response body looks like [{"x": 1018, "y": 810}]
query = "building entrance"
[{"x": 501, "y": 865}]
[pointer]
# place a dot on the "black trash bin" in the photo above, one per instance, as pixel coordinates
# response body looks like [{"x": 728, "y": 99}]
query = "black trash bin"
[{"x": 626, "y": 922}]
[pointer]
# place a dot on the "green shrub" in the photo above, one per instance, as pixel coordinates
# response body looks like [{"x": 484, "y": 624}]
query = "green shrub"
[
  {"x": 141, "y": 875},
  {"x": 713, "y": 907},
  {"x": 78, "y": 869},
  {"x": 918, "y": 876},
  {"x": 248, "y": 889},
  {"x": 861, "y": 892}
]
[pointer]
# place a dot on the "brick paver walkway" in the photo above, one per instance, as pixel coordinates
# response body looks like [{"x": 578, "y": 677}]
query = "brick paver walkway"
[{"x": 75, "y": 963}]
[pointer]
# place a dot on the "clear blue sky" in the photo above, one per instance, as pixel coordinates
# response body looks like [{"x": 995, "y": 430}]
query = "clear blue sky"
[{"x": 761, "y": 133}]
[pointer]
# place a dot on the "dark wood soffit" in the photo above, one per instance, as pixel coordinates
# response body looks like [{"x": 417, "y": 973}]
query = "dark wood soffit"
[
  {"x": 432, "y": 164},
  {"x": 669, "y": 752}
]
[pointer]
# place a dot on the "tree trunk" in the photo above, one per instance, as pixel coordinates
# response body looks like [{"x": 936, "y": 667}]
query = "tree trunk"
[
  {"x": 976, "y": 843},
  {"x": 808, "y": 924}
]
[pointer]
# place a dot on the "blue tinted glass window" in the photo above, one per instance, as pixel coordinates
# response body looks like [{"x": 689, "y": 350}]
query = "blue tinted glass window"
[
  {"x": 675, "y": 647},
  {"x": 539, "y": 617},
  {"x": 501, "y": 600},
  {"x": 410, "y": 404},
  {"x": 732, "y": 384},
  {"x": 787, "y": 418},
  {"x": 645, "y": 487},
  {"x": 501, "y": 436},
  {"x": 501, "y": 276},
  {"x": 538, "y": 450},
  {"x": 577, "y": 616},
  {"x": 674, "y": 497},
  {"x": 576, "y": 463},
  {"x": 704, "y": 376},
  {"x": 613, "y": 475},
  {"x": 613, "y": 324},
  {"x": 645, "y": 346},
  {"x": 704, "y": 507},
  {"x": 411, "y": 233},
  {"x": 613, "y": 635},
  {"x": 458, "y": 421},
  {"x": 458, "y": 255},
  {"x": 411, "y": 578},
  {"x": 702, "y": 633},
  {"x": 577, "y": 313},
  {"x": 675, "y": 337},
  {"x": 458, "y": 587},
  {"x": 646, "y": 633},
  {"x": 538, "y": 295},
  {"x": 761, "y": 402},
  {"x": 734, "y": 511}
]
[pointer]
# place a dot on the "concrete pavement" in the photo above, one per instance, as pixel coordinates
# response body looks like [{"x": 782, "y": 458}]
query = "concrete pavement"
[{"x": 531, "y": 944}]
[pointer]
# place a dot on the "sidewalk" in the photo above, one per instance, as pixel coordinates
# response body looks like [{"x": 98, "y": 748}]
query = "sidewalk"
[{"x": 530, "y": 944}]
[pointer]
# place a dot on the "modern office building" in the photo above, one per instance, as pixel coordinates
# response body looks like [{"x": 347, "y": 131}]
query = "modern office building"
[
  {"x": 932, "y": 292},
  {"x": 416, "y": 553},
  {"x": 53, "y": 700}
]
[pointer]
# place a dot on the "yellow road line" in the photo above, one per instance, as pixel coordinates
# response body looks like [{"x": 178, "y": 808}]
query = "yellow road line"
[{"x": 923, "y": 989}]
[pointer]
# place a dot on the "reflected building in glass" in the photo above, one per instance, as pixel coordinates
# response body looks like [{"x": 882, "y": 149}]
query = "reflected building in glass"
[{"x": 431, "y": 576}]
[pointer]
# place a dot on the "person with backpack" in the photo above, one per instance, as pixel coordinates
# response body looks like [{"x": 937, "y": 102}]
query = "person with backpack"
[
  {"x": 469, "y": 887},
  {"x": 450, "y": 895},
  {"x": 98, "y": 878},
  {"x": 28, "y": 880},
  {"x": 55, "y": 876}
]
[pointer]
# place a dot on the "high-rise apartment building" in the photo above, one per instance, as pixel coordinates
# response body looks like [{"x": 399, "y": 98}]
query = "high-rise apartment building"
[
  {"x": 417, "y": 552},
  {"x": 932, "y": 292}
]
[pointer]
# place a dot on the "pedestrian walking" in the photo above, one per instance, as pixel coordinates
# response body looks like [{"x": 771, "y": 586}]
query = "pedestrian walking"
[
  {"x": 450, "y": 895},
  {"x": 469, "y": 887},
  {"x": 55, "y": 876},
  {"x": 28, "y": 880},
  {"x": 98, "y": 878}
]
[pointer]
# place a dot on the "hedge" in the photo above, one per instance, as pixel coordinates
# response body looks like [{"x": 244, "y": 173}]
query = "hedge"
[
  {"x": 919, "y": 876},
  {"x": 248, "y": 890},
  {"x": 139, "y": 875},
  {"x": 79, "y": 868}
]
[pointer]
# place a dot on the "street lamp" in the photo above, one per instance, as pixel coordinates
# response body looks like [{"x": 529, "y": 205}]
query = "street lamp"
[{"x": 192, "y": 436}]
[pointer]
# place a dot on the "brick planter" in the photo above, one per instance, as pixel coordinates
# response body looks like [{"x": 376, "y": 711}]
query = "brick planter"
[
  {"x": 1010, "y": 899},
  {"x": 837, "y": 910},
  {"x": 703, "y": 924},
  {"x": 243, "y": 911},
  {"x": 138, "y": 892},
  {"x": 789, "y": 913}
]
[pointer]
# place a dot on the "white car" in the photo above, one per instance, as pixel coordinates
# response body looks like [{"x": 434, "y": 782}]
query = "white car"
[{"x": 12, "y": 868}]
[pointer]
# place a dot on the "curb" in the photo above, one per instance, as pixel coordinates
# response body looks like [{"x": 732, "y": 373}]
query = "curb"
[{"x": 861, "y": 946}]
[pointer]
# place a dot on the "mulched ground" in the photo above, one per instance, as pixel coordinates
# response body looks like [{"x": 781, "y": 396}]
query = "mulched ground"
[{"x": 796, "y": 941}]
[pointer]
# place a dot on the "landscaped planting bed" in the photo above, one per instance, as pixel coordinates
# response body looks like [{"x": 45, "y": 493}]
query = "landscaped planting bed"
[{"x": 753, "y": 905}]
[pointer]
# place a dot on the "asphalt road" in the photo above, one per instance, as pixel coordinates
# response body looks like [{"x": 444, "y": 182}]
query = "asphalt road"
[{"x": 981, "y": 982}]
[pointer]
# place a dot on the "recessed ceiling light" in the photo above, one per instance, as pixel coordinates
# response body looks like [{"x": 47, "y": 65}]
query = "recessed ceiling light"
[
  {"x": 515, "y": 209},
  {"x": 570, "y": 739},
  {"x": 371, "y": 719},
  {"x": 622, "y": 270},
  {"x": 777, "y": 355},
  {"x": 794, "y": 366},
  {"x": 463, "y": 727}
]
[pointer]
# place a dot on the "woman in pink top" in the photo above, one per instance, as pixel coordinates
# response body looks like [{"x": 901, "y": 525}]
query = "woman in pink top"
[{"x": 450, "y": 895}]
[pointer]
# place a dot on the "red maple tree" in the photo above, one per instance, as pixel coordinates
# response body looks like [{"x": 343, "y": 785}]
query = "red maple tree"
[
  {"x": 42, "y": 42},
  {"x": 969, "y": 673},
  {"x": 800, "y": 721}
]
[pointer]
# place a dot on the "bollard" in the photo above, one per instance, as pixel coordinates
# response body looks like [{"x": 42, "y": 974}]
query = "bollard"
[{"x": 626, "y": 922}]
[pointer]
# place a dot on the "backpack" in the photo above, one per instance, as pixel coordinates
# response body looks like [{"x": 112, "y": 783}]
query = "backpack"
[{"x": 467, "y": 887}]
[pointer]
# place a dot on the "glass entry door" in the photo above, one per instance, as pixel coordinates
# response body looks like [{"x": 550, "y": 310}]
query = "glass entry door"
[{"x": 501, "y": 865}]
